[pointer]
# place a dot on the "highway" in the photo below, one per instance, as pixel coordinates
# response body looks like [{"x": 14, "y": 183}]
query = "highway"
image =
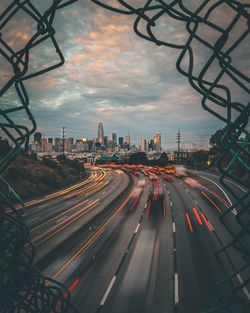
[{"x": 128, "y": 241}]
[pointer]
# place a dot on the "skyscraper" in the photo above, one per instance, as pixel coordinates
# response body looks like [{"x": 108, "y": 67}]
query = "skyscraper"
[
  {"x": 100, "y": 134},
  {"x": 121, "y": 141},
  {"x": 144, "y": 145},
  {"x": 151, "y": 145},
  {"x": 105, "y": 142},
  {"x": 128, "y": 140},
  {"x": 157, "y": 142},
  {"x": 114, "y": 138}
]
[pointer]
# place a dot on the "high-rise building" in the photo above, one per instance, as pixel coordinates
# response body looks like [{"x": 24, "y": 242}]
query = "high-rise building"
[
  {"x": 106, "y": 138},
  {"x": 58, "y": 144},
  {"x": 68, "y": 144},
  {"x": 38, "y": 138},
  {"x": 114, "y": 138},
  {"x": 128, "y": 140},
  {"x": 111, "y": 144},
  {"x": 46, "y": 146},
  {"x": 121, "y": 141},
  {"x": 151, "y": 145},
  {"x": 100, "y": 134},
  {"x": 157, "y": 142},
  {"x": 144, "y": 145}
]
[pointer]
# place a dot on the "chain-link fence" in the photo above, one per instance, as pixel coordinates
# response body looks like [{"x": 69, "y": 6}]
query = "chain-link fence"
[
  {"x": 22, "y": 287},
  {"x": 221, "y": 39}
]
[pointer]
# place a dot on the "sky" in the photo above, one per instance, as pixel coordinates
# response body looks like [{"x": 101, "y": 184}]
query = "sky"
[{"x": 112, "y": 76}]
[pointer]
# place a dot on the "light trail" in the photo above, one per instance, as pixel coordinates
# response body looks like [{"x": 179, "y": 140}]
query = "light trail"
[
  {"x": 64, "y": 223},
  {"x": 208, "y": 224},
  {"x": 58, "y": 193},
  {"x": 93, "y": 239},
  {"x": 189, "y": 222},
  {"x": 211, "y": 201},
  {"x": 197, "y": 216}
]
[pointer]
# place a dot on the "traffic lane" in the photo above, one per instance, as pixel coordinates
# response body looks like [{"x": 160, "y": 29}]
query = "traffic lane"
[
  {"x": 131, "y": 294},
  {"x": 215, "y": 205},
  {"x": 104, "y": 257},
  {"x": 101, "y": 233},
  {"x": 230, "y": 259},
  {"x": 197, "y": 269},
  {"x": 69, "y": 209},
  {"x": 31, "y": 203},
  {"x": 237, "y": 189},
  {"x": 144, "y": 283},
  {"x": 56, "y": 237},
  {"x": 58, "y": 204}
]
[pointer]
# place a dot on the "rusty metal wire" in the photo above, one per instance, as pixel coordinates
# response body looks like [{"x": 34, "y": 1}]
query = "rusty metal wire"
[
  {"x": 215, "y": 81},
  {"x": 22, "y": 287}
]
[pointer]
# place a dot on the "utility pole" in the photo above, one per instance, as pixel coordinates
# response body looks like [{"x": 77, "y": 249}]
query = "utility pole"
[
  {"x": 178, "y": 138},
  {"x": 63, "y": 131}
]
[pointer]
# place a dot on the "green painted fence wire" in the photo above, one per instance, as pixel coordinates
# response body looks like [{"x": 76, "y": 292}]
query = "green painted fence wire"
[{"x": 22, "y": 287}]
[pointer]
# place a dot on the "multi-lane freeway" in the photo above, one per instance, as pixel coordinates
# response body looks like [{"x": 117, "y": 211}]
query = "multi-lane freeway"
[{"x": 127, "y": 240}]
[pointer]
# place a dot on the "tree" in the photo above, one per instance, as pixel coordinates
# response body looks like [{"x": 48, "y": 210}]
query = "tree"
[
  {"x": 138, "y": 158},
  {"x": 215, "y": 139},
  {"x": 163, "y": 160},
  {"x": 201, "y": 156}
]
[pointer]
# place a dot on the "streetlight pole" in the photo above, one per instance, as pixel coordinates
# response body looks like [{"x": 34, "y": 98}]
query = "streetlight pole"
[{"x": 63, "y": 131}]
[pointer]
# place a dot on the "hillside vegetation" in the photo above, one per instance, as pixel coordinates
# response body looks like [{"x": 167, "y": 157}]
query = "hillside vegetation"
[{"x": 31, "y": 178}]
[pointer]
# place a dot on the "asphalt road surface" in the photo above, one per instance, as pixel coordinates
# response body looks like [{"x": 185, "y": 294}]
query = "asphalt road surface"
[{"x": 123, "y": 243}]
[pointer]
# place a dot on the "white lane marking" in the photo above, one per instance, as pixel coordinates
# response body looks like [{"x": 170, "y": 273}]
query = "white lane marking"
[
  {"x": 176, "y": 289},
  {"x": 136, "y": 230},
  {"x": 108, "y": 291},
  {"x": 173, "y": 227},
  {"x": 234, "y": 211},
  {"x": 60, "y": 219},
  {"x": 245, "y": 290},
  {"x": 229, "y": 181},
  {"x": 218, "y": 187},
  {"x": 171, "y": 203}
]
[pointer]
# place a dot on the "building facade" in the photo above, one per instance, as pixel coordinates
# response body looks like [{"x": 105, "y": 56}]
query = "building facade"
[{"x": 100, "y": 134}]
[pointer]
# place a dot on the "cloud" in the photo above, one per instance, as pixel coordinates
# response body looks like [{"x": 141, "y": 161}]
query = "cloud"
[{"x": 113, "y": 76}]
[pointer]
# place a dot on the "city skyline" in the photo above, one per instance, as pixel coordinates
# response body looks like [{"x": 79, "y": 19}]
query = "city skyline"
[{"x": 135, "y": 140}]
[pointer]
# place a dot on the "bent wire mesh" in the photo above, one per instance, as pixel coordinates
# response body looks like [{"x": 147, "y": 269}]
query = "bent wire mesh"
[
  {"x": 22, "y": 287},
  {"x": 218, "y": 80}
]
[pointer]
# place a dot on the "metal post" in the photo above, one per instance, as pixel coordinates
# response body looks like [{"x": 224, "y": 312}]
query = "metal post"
[{"x": 63, "y": 130}]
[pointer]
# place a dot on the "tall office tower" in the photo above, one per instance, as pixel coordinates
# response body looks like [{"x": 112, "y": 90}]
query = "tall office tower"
[
  {"x": 128, "y": 140},
  {"x": 121, "y": 142},
  {"x": 100, "y": 134},
  {"x": 105, "y": 142},
  {"x": 144, "y": 145},
  {"x": 114, "y": 138},
  {"x": 157, "y": 142},
  {"x": 151, "y": 145},
  {"x": 58, "y": 144}
]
